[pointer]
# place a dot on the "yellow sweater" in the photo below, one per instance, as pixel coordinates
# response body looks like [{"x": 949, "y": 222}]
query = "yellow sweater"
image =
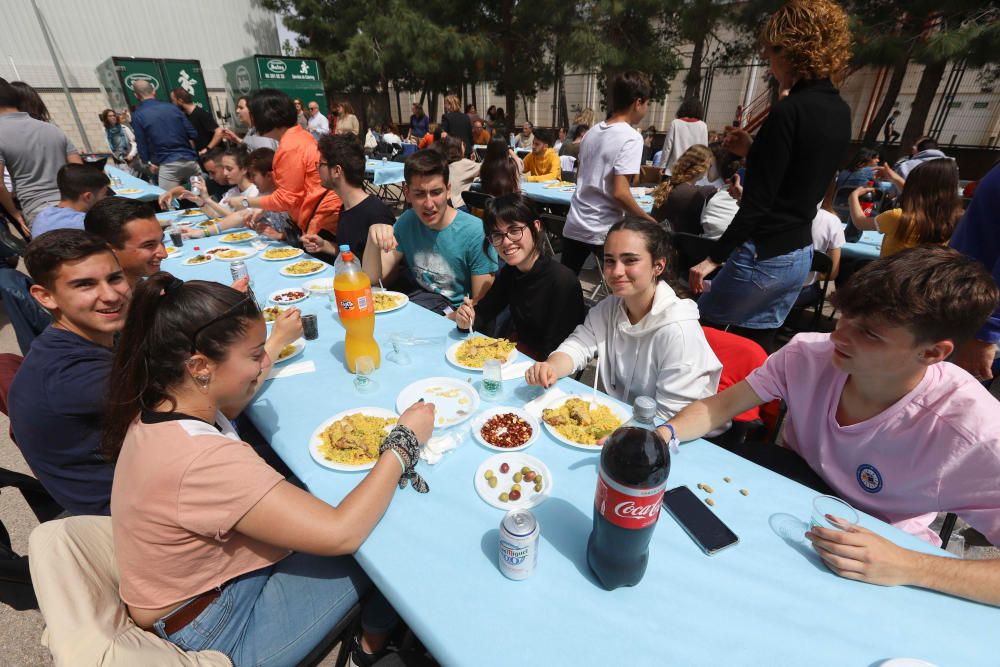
[{"x": 545, "y": 168}]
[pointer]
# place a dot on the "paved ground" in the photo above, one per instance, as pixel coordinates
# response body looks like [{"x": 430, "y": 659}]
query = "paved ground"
[{"x": 20, "y": 631}]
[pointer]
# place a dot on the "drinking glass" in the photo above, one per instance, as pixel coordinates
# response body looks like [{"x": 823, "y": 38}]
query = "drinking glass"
[
  {"x": 364, "y": 371},
  {"x": 398, "y": 355},
  {"x": 823, "y": 505},
  {"x": 492, "y": 386}
]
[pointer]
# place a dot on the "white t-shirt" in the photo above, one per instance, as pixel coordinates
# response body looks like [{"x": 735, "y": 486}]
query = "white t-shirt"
[
  {"x": 718, "y": 213},
  {"x": 606, "y": 151},
  {"x": 828, "y": 234},
  {"x": 236, "y": 195}
]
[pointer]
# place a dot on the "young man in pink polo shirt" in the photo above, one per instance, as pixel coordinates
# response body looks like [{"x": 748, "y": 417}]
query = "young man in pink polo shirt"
[{"x": 875, "y": 410}]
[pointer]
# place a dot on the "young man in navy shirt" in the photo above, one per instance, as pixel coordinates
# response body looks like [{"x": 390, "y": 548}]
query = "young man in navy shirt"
[{"x": 56, "y": 401}]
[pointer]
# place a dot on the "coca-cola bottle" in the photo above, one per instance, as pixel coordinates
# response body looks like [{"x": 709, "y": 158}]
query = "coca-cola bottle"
[
  {"x": 867, "y": 200},
  {"x": 635, "y": 463}
]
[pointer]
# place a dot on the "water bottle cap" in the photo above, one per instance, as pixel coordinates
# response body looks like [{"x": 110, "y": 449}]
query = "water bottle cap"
[
  {"x": 644, "y": 407},
  {"x": 345, "y": 248},
  {"x": 347, "y": 256}
]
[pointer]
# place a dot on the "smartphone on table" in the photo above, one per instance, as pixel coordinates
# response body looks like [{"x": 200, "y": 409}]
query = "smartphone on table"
[{"x": 698, "y": 521}]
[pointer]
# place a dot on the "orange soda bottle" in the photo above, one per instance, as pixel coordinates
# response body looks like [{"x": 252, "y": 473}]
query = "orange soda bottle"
[{"x": 353, "y": 294}]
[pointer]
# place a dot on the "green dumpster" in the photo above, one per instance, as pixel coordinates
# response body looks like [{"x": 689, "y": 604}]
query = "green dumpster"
[
  {"x": 118, "y": 74},
  {"x": 299, "y": 78}
]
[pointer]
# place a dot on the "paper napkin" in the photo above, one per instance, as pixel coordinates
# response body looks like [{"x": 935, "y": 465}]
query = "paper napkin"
[
  {"x": 516, "y": 371},
  {"x": 535, "y": 407},
  {"x": 437, "y": 447},
  {"x": 292, "y": 369}
]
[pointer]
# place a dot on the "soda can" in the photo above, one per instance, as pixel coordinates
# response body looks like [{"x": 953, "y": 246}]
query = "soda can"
[
  {"x": 518, "y": 544},
  {"x": 310, "y": 326},
  {"x": 238, "y": 270}
]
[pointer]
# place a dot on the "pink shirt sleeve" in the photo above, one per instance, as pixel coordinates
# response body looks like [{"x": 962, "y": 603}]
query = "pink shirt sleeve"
[
  {"x": 221, "y": 486},
  {"x": 769, "y": 381}
]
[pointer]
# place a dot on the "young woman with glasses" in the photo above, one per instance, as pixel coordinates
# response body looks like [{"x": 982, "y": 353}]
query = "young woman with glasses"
[
  {"x": 544, "y": 297},
  {"x": 215, "y": 549}
]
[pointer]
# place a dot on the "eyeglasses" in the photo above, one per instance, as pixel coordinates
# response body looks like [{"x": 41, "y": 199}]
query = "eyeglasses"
[
  {"x": 514, "y": 234},
  {"x": 232, "y": 311}
]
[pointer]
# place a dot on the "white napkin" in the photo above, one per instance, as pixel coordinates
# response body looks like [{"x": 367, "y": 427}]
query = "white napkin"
[
  {"x": 437, "y": 446},
  {"x": 515, "y": 371},
  {"x": 535, "y": 407},
  {"x": 292, "y": 369}
]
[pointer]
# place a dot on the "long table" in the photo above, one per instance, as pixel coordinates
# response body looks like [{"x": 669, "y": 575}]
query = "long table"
[
  {"x": 384, "y": 173},
  {"x": 869, "y": 246},
  {"x": 539, "y": 192},
  {"x": 768, "y": 600},
  {"x": 146, "y": 191}
]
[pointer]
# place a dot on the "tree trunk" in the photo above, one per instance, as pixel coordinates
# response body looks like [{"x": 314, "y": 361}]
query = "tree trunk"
[
  {"x": 692, "y": 82},
  {"x": 433, "y": 108},
  {"x": 891, "y": 93},
  {"x": 563, "y": 107},
  {"x": 922, "y": 101},
  {"x": 399, "y": 105}
]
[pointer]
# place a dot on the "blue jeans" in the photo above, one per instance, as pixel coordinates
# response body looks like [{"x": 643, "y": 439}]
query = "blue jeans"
[
  {"x": 277, "y": 615},
  {"x": 755, "y": 294},
  {"x": 26, "y": 316}
]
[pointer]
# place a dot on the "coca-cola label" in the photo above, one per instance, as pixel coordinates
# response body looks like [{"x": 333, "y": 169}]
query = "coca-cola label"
[{"x": 625, "y": 506}]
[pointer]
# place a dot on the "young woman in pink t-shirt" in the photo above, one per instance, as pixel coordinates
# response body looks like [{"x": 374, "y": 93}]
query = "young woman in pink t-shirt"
[{"x": 216, "y": 550}]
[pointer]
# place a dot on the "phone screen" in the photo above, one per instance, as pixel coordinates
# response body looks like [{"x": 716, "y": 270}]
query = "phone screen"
[{"x": 698, "y": 521}]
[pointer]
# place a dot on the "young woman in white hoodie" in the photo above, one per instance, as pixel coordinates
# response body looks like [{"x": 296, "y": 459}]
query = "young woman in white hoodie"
[{"x": 647, "y": 339}]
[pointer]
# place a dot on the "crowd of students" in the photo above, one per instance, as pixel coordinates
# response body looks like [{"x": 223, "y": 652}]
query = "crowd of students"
[{"x": 206, "y": 530}]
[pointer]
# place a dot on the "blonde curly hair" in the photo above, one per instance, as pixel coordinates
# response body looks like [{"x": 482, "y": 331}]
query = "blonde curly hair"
[
  {"x": 693, "y": 164},
  {"x": 812, "y": 35}
]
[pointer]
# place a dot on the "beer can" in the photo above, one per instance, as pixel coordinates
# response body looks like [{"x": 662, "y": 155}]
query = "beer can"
[
  {"x": 310, "y": 326},
  {"x": 518, "y": 544},
  {"x": 238, "y": 270}
]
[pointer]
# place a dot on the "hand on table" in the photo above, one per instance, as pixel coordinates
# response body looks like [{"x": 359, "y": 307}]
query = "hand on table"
[
  {"x": 860, "y": 554},
  {"x": 976, "y": 356},
  {"x": 541, "y": 375},
  {"x": 698, "y": 273},
  {"x": 383, "y": 236},
  {"x": 737, "y": 141},
  {"x": 465, "y": 316},
  {"x": 192, "y": 232},
  {"x": 419, "y": 418},
  {"x": 314, "y": 243},
  {"x": 287, "y": 326}
]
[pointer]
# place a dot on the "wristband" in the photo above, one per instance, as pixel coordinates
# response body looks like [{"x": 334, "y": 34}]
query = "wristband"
[
  {"x": 674, "y": 444},
  {"x": 402, "y": 466}
]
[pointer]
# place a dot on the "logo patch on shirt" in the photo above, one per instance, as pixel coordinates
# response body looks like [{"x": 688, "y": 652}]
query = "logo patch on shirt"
[{"x": 869, "y": 478}]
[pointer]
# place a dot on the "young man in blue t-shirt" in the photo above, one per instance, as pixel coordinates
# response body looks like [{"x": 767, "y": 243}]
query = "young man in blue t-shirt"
[
  {"x": 443, "y": 247},
  {"x": 56, "y": 401},
  {"x": 80, "y": 187}
]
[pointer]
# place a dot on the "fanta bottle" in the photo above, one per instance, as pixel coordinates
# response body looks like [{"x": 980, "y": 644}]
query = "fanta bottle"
[{"x": 353, "y": 293}]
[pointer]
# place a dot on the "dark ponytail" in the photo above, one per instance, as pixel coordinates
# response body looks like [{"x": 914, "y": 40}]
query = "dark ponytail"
[{"x": 164, "y": 317}]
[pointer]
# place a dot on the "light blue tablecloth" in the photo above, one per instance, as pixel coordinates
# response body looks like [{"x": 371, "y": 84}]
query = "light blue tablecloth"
[
  {"x": 766, "y": 601},
  {"x": 540, "y": 193},
  {"x": 148, "y": 192},
  {"x": 384, "y": 173},
  {"x": 867, "y": 247}
]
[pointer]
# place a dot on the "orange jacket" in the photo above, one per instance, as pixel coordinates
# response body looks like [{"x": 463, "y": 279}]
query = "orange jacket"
[{"x": 298, "y": 190}]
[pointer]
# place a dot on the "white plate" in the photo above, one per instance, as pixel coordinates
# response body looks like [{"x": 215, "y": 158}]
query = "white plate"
[
  {"x": 282, "y": 308},
  {"x": 288, "y": 289},
  {"x": 906, "y": 662},
  {"x": 451, "y": 410},
  {"x": 319, "y": 285},
  {"x": 127, "y": 191},
  {"x": 191, "y": 212},
  {"x": 622, "y": 413},
  {"x": 516, "y": 461},
  {"x": 321, "y": 269},
  {"x": 315, "y": 442},
  {"x": 300, "y": 347},
  {"x": 247, "y": 253},
  {"x": 452, "y": 356},
  {"x": 298, "y": 253},
  {"x": 188, "y": 262},
  {"x": 402, "y": 304},
  {"x": 250, "y": 238},
  {"x": 481, "y": 419},
  {"x": 177, "y": 252}
]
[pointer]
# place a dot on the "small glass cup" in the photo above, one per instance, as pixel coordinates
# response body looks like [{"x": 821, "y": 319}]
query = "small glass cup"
[
  {"x": 824, "y": 505},
  {"x": 492, "y": 385},
  {"x": 258, "y": 243},
  {"x": 364, "y": 370},
  {"x": 399, "y": 355}
]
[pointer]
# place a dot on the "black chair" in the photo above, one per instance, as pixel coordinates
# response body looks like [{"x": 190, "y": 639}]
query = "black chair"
[
  {"x": 552, "y": 226},
  {"x": 475, "y": 199},
  {"x": 823, "y": 265}
]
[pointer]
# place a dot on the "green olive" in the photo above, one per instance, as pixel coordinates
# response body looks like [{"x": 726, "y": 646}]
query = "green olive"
[
  {"x": 504, "y": 497},
  {"x": 488, "y": 474},
  {"x": 515, "y": 487},
  {"x": 518, "y": 477},
  {"x": 538, "y": 488},
  {"x": 492, "y": 481},
  {"x": 525, "y": 470},
  {"x": 538, "y": 479}
]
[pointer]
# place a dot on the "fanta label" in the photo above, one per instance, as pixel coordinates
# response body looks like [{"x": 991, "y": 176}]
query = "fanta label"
[{"x": 355, "y": 303}]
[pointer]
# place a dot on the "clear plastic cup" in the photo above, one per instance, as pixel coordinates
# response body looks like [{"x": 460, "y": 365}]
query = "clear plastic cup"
[
  {"x": 492, "y": 385},
  {"x": 824, "y": 505},
  {"x": 364, "y": 371}
]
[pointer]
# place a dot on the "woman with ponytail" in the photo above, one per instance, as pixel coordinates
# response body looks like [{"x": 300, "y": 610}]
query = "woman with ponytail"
[
  {"x": 215, "y": 550},
  {"x": 678, "y": 201}
]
